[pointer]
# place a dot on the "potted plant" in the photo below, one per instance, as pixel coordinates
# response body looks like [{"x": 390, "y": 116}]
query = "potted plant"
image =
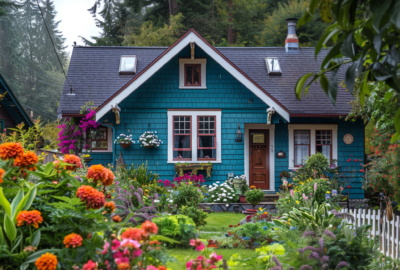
[
  {"x": 87, "y": 158},
  {"x": 124, "y": 140},
  {"x": 149, "y": 139},
  {"x": 254, "y": 196},
  {"x": 284, "y": 175},
  {"x": 238, "y": 182}
]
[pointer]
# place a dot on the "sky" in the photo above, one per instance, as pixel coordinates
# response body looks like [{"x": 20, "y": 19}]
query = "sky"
[{"x": 75, "y": 21}]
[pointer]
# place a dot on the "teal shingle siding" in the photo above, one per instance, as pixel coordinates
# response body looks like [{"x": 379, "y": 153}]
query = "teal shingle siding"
[{"x": 149, "y": 104}]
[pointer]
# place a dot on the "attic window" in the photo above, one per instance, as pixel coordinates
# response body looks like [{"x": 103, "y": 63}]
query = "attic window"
[
  {"x": 128, "y": 64},
  {"x": 273, "y": 66}
]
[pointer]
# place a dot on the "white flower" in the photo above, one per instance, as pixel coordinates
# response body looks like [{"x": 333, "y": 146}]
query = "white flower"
[
  {"x": 224, "y": 200},
  {"x": 156, "y": 201},
  {"x": 227, "y": 205},
  {"x": 217, "y": 182},
  {"x": 212, "y": 196},
  {"x": 171, "y": 201}
]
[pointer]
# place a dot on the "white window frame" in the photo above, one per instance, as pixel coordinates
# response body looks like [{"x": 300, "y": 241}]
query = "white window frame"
[
  {"x": 122, "y": 72},
  {"x": 312, "y": 129},
  {"x": 193, "y": 114},
  {"x": 110, "y": 143},
  {"x": 199, "y": 61},
  {"x": 273, "y": 72}
]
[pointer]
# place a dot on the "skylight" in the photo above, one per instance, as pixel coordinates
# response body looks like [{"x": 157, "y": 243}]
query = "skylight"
[
  {"x": 273, "y": 65},
  {"x": 128, "y": 64}
]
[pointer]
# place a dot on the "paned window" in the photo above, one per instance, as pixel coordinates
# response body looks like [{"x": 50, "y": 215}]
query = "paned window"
[
  {"x": 192, "y": 75},
  {"x": 182, "y": 131},
  {"x": 324, "y": 142},
  {"x": 206, "y": 138},
  {"x": 301, "y": 146},
  {"x": 99, "y": 139}
]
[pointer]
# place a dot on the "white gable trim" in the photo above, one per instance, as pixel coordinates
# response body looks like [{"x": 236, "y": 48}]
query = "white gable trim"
[{"x": 192, "y": 37}]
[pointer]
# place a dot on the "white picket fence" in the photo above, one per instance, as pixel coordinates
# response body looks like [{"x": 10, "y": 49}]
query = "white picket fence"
[{"x": 388, "y": 236}]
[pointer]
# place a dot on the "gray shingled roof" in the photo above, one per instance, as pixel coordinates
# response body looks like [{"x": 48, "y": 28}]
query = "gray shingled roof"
[{"x": 94, "y": 75}]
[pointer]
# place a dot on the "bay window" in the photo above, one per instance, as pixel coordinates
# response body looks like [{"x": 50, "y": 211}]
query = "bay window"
[{"x": 194, "y": 136}]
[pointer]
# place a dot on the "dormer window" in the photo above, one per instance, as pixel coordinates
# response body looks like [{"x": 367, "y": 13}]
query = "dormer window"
[
  {"x": 192, "y": 73},
  {"x": 128, "y": 64},
  {"x": 273, "y": 66}
]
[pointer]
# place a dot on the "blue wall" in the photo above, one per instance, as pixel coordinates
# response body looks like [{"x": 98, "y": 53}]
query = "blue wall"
[{"x": 149, "y": 104}]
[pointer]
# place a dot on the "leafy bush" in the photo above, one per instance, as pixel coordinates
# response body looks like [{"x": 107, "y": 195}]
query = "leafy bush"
[
  {"x": 198, "y": 216},
  {"x": 140, "y": 174},
  {"x": 223, "y": 193},
  {"x": 187, "y": 194},
  {"x": 178, "y": 227},
  {"x": 254, "y": 196}
]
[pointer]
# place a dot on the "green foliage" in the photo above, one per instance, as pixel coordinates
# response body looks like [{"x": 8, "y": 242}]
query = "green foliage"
[
  {"x": 198, "y": 215},
  {"x": 178, "y": 227},
  {"x": 31, "y": 138},
  {"x": 253, "y": 230},
  {"x": 186, "y": 195},
  {"x": 254, "y": 196},
  {"x": 140, "y": 174},
  {"x": 316, "y": 218},
  {"x": 364, "y": 33}
]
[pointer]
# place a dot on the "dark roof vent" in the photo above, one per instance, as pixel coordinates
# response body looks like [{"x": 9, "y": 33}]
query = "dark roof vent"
[{"x": 292, "y": 41}]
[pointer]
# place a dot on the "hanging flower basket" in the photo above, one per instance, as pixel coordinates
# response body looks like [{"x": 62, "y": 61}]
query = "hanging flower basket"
[
  {"x": 149, "y": 139},
  {"x": 126, "y": 145}
]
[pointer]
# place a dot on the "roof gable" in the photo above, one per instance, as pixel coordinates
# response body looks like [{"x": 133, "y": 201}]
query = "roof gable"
[
  {"x": 167, "y": 55},
  {"x": 12, "y": 105}
]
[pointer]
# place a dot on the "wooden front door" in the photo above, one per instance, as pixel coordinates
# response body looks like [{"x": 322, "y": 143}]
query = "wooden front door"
[{"x": 259, "y": 158}]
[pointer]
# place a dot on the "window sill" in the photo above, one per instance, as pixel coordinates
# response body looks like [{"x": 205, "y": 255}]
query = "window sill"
[
  {"x": 192, "y": 87},
  {"x": 102, "y": 151},
  {"x": 196, "y": 162}
]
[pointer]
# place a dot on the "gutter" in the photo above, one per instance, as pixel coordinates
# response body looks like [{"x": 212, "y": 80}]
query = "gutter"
[{"x": 113, "y": 129}]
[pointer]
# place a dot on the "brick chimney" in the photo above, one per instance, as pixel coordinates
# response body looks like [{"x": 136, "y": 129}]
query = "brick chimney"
[{"x": 292, "y": 41}]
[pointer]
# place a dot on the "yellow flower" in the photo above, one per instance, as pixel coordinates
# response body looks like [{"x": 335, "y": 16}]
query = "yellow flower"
[
  {"x": 289, "y": 219},
  {"x": 328, "y": 192},
  {"x": 260, "y": 209},
  {"x": 297, "y": 202}
]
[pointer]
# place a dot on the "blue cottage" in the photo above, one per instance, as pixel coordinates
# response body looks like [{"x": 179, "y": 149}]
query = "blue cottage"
[{"x": 198, "y": 98}]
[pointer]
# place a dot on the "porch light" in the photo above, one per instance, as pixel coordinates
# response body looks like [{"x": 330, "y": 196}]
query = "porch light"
[{"x": 239, "y": 135}]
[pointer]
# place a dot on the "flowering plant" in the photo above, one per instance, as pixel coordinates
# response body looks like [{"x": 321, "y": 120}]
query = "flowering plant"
[
  {"x": 149, "y": 139},
  {"x": 71, "y": 136},
  {"x": 124, "y": 139},
  {"x": 222, "y": 193}
]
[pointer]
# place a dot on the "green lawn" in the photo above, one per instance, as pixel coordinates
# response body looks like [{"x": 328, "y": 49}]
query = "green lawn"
[
  {"x": 184, "y": 255},
  {"x": 219, "y": 222}
]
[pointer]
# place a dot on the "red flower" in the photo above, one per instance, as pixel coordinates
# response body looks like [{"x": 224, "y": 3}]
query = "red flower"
[
  {"x": 198, "y": 244},
  {"x": 362, "y": 170},
  {"x": 349, "y": 160},
  {"x": 349, "y": 186},
  {"x": 90, "y": 265}
]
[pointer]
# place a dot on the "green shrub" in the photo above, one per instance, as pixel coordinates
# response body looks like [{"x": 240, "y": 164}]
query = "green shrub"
[
  {"x": 198, "y": 216},
  {"x": 254, "y": 196},
  {"x": 187, "y": 195},
  {"x": 178, "y": 227}
]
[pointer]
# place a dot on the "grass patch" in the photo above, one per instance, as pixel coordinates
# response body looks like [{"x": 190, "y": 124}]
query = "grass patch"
[
  {"x": 219, "y": 222},
  {"x": 184, "y": 255}
]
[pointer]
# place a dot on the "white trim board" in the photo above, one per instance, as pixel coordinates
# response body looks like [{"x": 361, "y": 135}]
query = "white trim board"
[
  {"x": 192, "y": 37},
  {"x": 203, "y": 72},
  {"x": 271, "y": 150},
  {"x": 194, "y": 115},
  {"x": 312, "y": 128}
]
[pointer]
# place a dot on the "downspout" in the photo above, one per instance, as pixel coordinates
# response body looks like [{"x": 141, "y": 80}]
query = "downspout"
[{"x": 113, "y": 129}]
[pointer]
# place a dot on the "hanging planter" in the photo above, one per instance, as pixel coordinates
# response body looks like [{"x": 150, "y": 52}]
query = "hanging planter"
[
  {"x": 149, "y": 139},
  {"x": 124, "y": 140}
]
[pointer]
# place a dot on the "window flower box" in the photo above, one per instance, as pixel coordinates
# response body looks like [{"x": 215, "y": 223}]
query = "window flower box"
[{"x": 180, "y": 168}]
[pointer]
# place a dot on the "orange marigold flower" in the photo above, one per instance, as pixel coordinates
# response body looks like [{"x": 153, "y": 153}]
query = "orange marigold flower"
[
  {"x": 132, "y": 233},
  {"x": 92, "y": 198},
  {"x": 72, "y": 159},
  {"x": 73, "y": 239},
  {"x": 109, "y": 206},
  {"x": 56, "y": 164},
  {"x": 11, "y": 150},
  {"x": 97, "y": 173},
  {"x": 30, "y": 218},
  {"x": 155, "y": 242},
  {"x": 123, "y": 266},
  {"x": 2, "y": 172},
  {"x": 149, "y": 227},
  {"x": 110, "y": 177},
  {"x": 46, "y": 262},
  {"x": 28, "y": 160},
  {"x": 116, "y": 219},
  {"x": 161, "y": 267}
]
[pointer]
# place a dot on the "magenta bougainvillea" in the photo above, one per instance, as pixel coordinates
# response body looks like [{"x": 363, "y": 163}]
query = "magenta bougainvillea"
[{"x": 71, "y": 136}]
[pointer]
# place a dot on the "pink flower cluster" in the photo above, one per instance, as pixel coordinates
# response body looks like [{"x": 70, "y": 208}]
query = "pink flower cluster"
[
  {"x": 202, "y": 263},
  {"x": 190, "y": 178},
  {"x": 71, "y": 134}
]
